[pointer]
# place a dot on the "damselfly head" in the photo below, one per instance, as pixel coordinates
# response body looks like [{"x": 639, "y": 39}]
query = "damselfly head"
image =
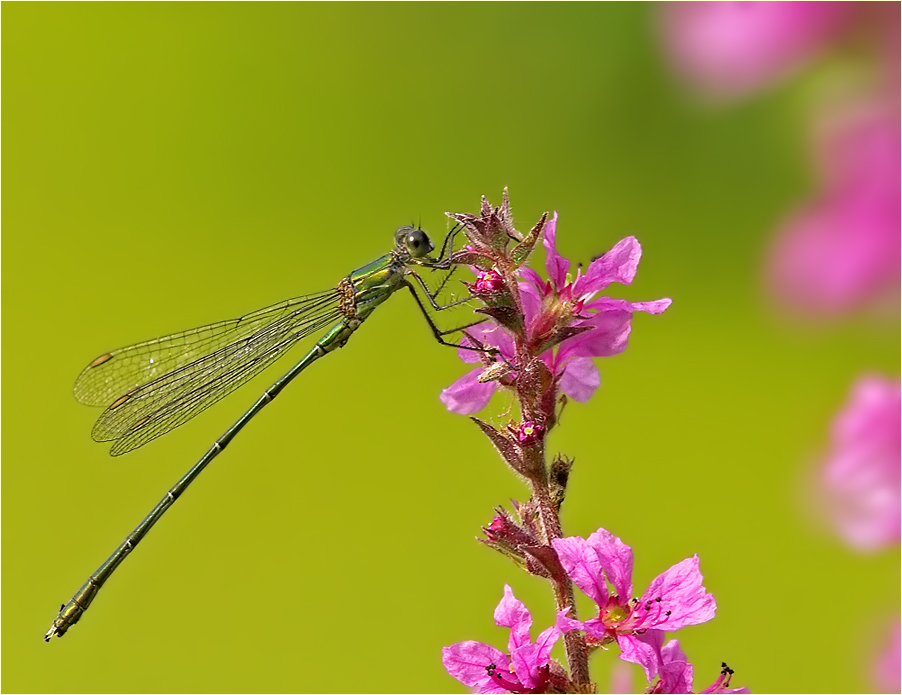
[{"x": 415, "y": 241}]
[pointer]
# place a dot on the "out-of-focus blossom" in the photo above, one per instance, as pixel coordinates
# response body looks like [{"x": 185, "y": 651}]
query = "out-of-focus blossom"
[
  {"x": 841, "y": 251},
  {"x": 862, "y": 473},
  {"x": 527, "y": 667},
  {"x": 675, "y": 672},
  {"x": 560, "y": 303},
  {"x": 621, "y": 678},
  {"x": 733, "y": 48},
  {"x": 602, "y": 566},
  {"x": 887, "y": 669}
]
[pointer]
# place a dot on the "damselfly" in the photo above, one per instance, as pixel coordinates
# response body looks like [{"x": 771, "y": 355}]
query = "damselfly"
[{"x": 152, "y": 387}]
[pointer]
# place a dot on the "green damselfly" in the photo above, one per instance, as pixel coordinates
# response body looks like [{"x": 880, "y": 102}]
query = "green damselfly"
[{"x": 152, "y": 387}]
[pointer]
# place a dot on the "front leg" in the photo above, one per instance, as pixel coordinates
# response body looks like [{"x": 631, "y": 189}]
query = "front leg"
[{"x": 435, "y": 329}]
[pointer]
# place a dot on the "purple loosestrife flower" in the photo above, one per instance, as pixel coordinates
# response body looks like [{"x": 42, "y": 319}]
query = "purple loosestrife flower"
[
  {"x": 841, "y": 250},
  {"x": 862, "y": 474},
  {"x": 605, "y": 323},
  {"x": 526, "y": 669},
  {"x": 729, "y": 49},
  {"x": 675, "y": 671},
  {"x": 602, "y": 567}
]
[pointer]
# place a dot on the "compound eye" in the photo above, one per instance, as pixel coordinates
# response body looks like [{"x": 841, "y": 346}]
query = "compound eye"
[{"x": 418, "y": 244}]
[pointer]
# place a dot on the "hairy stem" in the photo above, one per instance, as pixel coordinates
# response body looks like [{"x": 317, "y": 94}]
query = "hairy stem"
[
  {"x": 574, "y": 647},
  {"x": 530, "y": 408}
]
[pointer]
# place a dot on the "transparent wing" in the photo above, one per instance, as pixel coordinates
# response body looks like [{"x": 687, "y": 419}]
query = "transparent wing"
[
  {"x": 160, "y": 410},
  {"x": 121, "y": 371},
  {"x": 152, "y": 409}
]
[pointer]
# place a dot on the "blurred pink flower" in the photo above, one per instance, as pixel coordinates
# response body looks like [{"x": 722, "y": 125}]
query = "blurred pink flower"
[
  {"x": 887, "y": 670},
  {"x": 602, "y": 566},
  {"x": 548, "y": 304},
  {"x": 733, "y": 48},
  {"x": 841, "y": 251},
  {"x": 488, "y": 670},
  {"x": 675, "y": 671},
  {"x": 862, "y": 473}
]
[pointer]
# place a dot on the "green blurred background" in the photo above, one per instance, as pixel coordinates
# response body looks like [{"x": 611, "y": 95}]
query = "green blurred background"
[{"x": 169, "y": 165}]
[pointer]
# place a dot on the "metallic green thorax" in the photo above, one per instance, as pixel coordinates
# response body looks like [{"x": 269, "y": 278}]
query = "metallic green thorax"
[{"x": 359, "y": 294}]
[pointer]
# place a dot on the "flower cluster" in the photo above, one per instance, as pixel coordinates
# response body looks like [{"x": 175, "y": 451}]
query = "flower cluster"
[
  {"x": 601, "y": 566},
  {"x": 537, "y": 342},
  {"x": 564, "y": 322}
]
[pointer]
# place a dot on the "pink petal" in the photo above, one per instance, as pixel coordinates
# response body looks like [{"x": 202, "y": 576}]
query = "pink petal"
[
  {"x": 529, "y": 658},
  {"x": 682, "y": 593},
  {"x": 556, "y": 265},
  {"x": 656, "y": 307},
  {"x": 643, "y": 650},
  {"x": 580, "y": 379},
  {"x": 581, "y": 563},
  {"x": 732, "y": 48},
  {"x": 610, "y": 335},
  {"x": 593, "y": 627},
  {"x": 513, "y": 614},
  {"x": 532, "y": 278},
  {"x": 677, "y": 678},
  {"x": 671, "y": 651},
  {"x": 838, "y": 253},
  {"x": 617, "y": 265},
  {"x": 467, "y": 661},
  {"x": 467, "y": 395},
  {"x": 569, "y": 624},
  {"x": 488, "y": 334},
  {"x": 862, "y": 475},
  {"x": 611, "y": 327},
  {"x": 676, "y": 671},
  {"x": 532, "y": 301},
  {"x": 616, "y": 559},
  {"x": 545, "y": 643}
]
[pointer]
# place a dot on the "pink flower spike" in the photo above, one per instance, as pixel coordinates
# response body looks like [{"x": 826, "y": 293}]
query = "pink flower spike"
[
  {"x": 488, "y": 670},
  {"x": 862, "y": 474},
  {"x": 729, "y": 49}
]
